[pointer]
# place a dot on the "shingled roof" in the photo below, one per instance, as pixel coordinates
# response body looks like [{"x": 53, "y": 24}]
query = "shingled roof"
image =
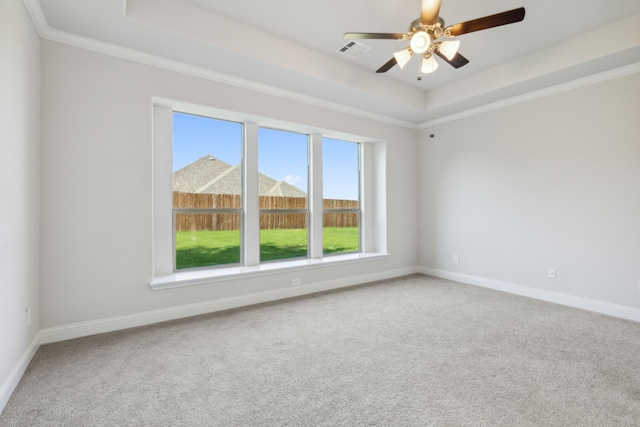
[{"x": 211, "y": 175}]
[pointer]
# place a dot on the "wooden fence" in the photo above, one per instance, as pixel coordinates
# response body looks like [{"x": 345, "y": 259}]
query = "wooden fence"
[{"x": 231, "y": 221}]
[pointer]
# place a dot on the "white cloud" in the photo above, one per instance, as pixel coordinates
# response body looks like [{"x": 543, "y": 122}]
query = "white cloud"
[{"x": 293, "y": 180}]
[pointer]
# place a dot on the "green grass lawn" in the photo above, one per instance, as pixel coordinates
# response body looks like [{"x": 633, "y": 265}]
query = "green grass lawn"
[{"x": 207, "y": 248}]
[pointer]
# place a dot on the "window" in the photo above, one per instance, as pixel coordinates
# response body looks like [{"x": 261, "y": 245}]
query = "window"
[
  {"x": 237, "y": 196},
  {"x": 207, "y": 191},
  {"x": 283, "y": 163},
  {"x": 341, "y": 197}
]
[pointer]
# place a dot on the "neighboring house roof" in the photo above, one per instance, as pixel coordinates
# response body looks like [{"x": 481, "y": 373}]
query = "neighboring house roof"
[{"x": 211, "y": 175}]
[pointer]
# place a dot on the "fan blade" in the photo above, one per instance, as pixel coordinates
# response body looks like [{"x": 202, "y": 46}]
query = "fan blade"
[
  {"x": 389, "y": 65},
  {"x": 457, "y": 61},
  {"x": 383, "y": 36},
  {"x": 504, "y": 18},
  {"x": 429, "y": 12}
]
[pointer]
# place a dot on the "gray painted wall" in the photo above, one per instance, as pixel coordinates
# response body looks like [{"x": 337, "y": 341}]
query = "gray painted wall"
[
  {"x": 97, "y": 185},
  {"x": 19, "y": 191},
  {"x": 549, "y": 183}
]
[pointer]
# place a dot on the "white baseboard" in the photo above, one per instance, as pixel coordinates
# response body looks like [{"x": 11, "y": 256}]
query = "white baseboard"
[
  {"x": 596, "y": 306},
  {"x": 77, "y": 330},
  {"x": 12, "y": 381}
]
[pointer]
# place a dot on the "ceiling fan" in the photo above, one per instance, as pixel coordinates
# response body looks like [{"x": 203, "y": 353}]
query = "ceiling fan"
[{"x": 424, "y": 32}]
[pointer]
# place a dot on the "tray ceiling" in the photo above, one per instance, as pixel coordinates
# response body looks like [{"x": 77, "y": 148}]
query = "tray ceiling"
[{"x": 291, "y": 48}]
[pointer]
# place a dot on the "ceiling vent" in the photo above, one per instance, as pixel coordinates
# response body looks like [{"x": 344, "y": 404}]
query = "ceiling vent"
[{"x": 353, "y": 49}]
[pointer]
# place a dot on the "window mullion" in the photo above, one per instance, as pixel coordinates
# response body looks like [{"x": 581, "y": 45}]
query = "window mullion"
[
  {"x": 315, "y": 199},
  {"x": 251, "y": 231}
]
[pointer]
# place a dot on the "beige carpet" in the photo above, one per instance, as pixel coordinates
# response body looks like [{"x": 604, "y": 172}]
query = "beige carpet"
[{"x": 414, "y": 351}]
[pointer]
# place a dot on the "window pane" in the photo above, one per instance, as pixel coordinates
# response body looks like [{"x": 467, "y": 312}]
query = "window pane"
[
  {"x": 207, "y": 157},
  {"x": 340, "y": 171},
  {"x": 283, "y": 235},
  {"x": 282, "y": 187},
  {"x": 340, "y": 233},
  {"x": 341, "y": 196},
  {"x": 207, "y": 174},
  {"x": 283, "y": 167},
  {"x": 207, "y": 239}
]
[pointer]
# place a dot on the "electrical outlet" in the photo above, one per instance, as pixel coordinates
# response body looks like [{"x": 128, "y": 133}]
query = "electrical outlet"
[
  {"x": 28, "y": 316},
  {"x": 456, "y": 259},
  {"x": 552, "y": 273},
  {"x": 296, "y": 281}
]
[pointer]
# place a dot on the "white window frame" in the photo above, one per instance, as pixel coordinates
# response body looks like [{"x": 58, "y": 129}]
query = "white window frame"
[
  {"x": 240, "y": 211},
  {"x": 373, "y": 244},
  {"x": 307, "y": 211},
  {"x": 357, "y": 210}
]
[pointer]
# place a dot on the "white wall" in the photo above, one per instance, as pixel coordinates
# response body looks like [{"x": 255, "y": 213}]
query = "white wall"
[
  {"x": 97, "y": 187},
  {"x": 19, "y": 191},
  {"x": 550, "y": 183}
]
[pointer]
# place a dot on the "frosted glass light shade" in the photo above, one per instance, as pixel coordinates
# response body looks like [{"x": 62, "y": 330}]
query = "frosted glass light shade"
[
  {"x": 449, "y": 48},
  {"x": 420, "y": 42},
  {"x": 429, "y": 64},
  {"x": 403, "y": 57}
]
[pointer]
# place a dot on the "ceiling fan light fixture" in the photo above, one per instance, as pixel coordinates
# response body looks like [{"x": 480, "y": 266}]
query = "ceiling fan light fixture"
[
  {"x": 429, "y": 64},
  {"x": 449, "y": 48},
  {"x": 424, "y": 36},
  {"x": 402, "y": 57},
  {"x": 420, "y": 42}
]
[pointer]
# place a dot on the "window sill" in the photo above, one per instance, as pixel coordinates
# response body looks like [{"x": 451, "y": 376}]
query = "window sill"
[{"x": 200, "y": 277}]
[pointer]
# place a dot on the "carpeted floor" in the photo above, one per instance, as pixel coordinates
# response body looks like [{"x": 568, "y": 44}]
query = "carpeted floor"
[{"x": 413, "y": 351}]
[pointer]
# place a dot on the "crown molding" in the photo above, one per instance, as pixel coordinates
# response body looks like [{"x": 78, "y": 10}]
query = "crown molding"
[
  {"x": 575, "y": 84},
  {"x": 34, "y": 9},
  {"x": 47, "y": 33}
]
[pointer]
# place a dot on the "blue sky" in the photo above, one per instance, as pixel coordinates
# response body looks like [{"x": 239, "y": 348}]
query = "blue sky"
[{"x": 281, "y": 155}]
